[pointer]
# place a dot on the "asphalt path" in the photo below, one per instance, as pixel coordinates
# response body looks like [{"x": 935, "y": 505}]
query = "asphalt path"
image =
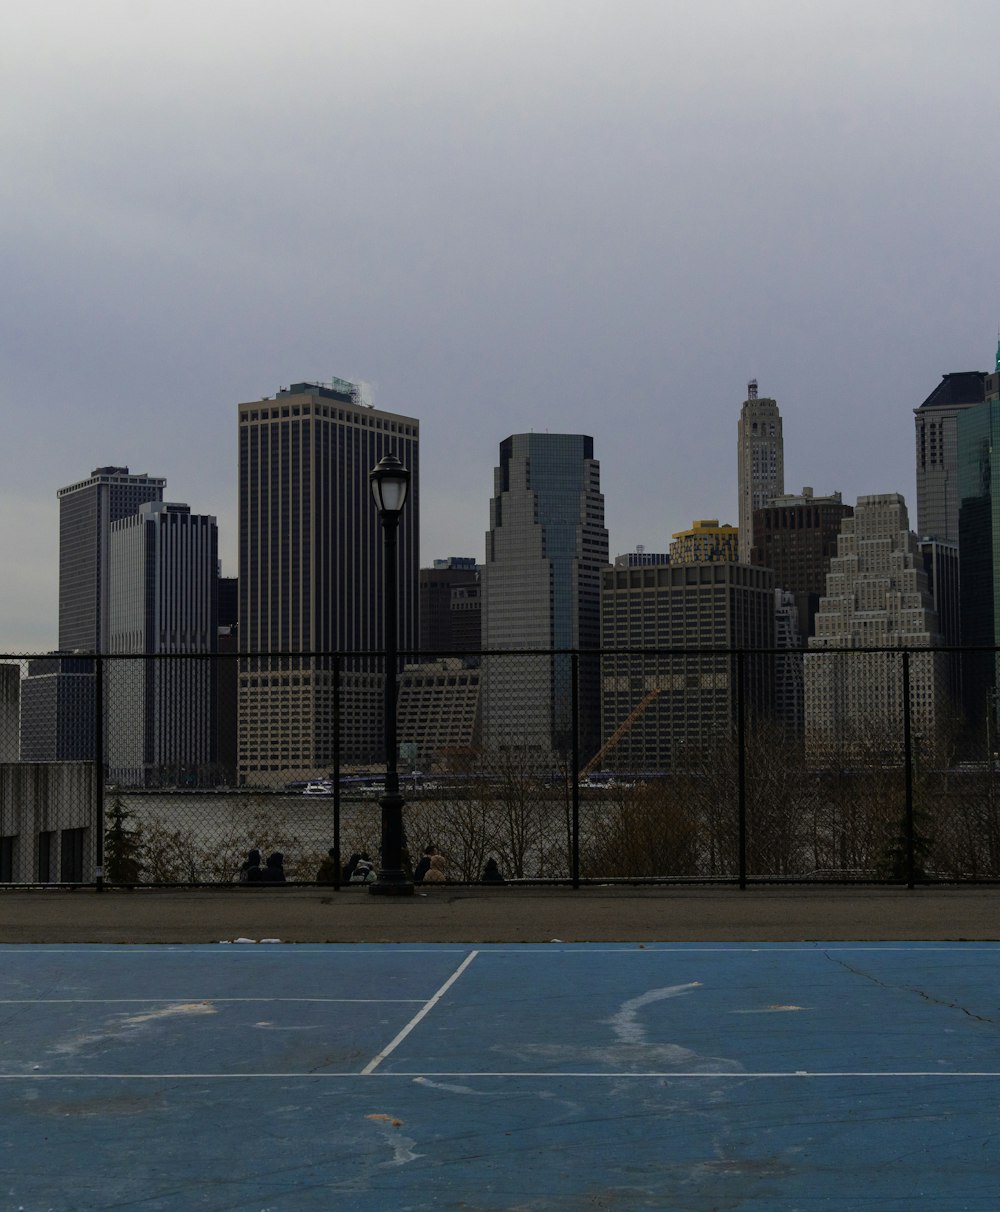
[{"x": 509, "y": 914}]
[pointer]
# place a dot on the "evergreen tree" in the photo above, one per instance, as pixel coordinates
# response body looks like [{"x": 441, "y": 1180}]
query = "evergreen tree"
[{"x": 122, "y": 846}]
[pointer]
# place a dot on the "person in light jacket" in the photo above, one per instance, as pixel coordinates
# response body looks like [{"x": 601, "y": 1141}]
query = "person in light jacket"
[{"x": 436, "y": 872}]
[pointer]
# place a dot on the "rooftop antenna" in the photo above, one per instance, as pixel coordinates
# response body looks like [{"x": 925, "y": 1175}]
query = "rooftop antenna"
[{"x": 752, "y": 390}]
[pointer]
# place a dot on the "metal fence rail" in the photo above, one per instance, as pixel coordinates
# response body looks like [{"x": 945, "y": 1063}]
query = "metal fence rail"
[{"x": 709, "y": 765}]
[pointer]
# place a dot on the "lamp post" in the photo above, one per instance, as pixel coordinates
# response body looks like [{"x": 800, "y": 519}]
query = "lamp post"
[{"x": 390, "y": 482}]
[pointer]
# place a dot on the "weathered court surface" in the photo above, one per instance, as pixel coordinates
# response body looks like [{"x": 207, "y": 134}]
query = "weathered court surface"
[{"x": 542, "y": 1076}]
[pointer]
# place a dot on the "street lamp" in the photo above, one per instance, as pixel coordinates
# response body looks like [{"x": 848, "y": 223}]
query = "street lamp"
[{"x": 390, "y": 482}]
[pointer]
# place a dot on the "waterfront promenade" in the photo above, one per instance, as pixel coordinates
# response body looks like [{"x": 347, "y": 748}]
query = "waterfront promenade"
[{"x": 454, "y": 914}]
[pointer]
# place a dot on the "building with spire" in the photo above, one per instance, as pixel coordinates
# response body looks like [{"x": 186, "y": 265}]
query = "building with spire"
[{"x": 761, "y": 461}]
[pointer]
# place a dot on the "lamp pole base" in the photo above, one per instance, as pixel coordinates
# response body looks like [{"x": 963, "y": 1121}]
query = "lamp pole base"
[{"x": 391, "y": 888}]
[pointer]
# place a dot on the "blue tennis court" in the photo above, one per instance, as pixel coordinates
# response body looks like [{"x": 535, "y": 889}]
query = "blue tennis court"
[{"x": 558, "y": 1077}]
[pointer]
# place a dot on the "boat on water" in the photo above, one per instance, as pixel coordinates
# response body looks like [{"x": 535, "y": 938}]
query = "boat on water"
[{"x": 318, "y": 788}]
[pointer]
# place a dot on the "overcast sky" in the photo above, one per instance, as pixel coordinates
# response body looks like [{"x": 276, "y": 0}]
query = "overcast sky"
[{"x": 564, "y": 215}]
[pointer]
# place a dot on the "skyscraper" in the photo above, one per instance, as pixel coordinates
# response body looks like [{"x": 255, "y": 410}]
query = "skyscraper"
[
  {"x": 936, "y": 424},
  {"x": 660, "y": 706},
  {"x": 310, "y": 574},
  {"x": 163, "y": 600},
  {"x": 876, "y": 597},
  {"x": 761, "y": 461},
  {"x": 450, "y": 615},
  {"x": 978, "y": 438},
  {"x": 797, "y": 537},
  {"x": 545, "y": 550},
  {"x": 57, "y": 696},
  {"x": 86, "y": 512}
]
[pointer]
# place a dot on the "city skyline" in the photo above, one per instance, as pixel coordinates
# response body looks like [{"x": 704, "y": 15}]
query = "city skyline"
[{"x": 562, "y": 217}]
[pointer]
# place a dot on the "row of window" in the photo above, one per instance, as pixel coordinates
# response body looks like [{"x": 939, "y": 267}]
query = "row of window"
[{"x": 330, "y": 414}]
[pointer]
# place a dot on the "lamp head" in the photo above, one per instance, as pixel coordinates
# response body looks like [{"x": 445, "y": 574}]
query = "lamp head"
[{"x": 390, "y": 482}]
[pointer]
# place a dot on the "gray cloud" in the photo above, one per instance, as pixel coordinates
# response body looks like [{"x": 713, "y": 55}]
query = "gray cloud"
[{"x": 567, "y": 216}]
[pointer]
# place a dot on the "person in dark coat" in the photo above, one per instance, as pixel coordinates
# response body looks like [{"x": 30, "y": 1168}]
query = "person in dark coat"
[
  {"x": 423, "y": 865},
  {"x": 250, "y": 871},
  {"x": 491, "y": 873},
  {"x": 274, "y": 871},
  {"x": 352, "y": 862},
  {"x": 328, "y": 868}
]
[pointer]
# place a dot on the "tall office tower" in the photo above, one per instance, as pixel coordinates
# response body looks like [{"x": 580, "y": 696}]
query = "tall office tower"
[
  {"x": 311, "y": 568},
  {"x": 86, "y": 512},
  {"x": 978, "y": 437},
  {"x": 761, "y": 456},
  {"x": 655, "y": 709},
  {"x": 876, "y": 597},
  {"x": 706, "y": 542},
  {"x": 164, "y": 567},
  {"x": 450, "y": 614},
  {"x": 797, "y": 536},
  {"x": 936, "y": 423},
  {"x": 545, "y": 550}
]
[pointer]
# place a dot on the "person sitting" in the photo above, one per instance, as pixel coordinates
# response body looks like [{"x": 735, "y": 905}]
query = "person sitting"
[
  {"x": 364, "y": 871},
  {"x": 352, "y": 862},
  {"x": 274, "y": 871},
  {"x": 491, "y": 873},
  {"x": 250, "y": 870},
  {"x": 420, "y": 871},
  {"x": 328, "y": 868},
  {"x": 436, "y": 872}
]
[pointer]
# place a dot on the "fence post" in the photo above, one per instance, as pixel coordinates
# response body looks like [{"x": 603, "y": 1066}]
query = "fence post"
[
  {"x": 99, "y": 774},
  {"x": 337, "y": 857},
  {"x": 908, "y": 772},
  {"x": 741, "y": 766},
  {"x": 575, "y": 774}
]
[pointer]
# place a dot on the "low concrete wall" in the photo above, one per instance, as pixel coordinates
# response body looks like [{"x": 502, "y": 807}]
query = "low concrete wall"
[{"x": 47, "y": 818}]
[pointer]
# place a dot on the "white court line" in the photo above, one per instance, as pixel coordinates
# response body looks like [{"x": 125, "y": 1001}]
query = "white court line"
[
  {"x": 377, "y": 1060},
  {"x": 545, "y": 1075},
  {"x": 115, "y": 1001}
]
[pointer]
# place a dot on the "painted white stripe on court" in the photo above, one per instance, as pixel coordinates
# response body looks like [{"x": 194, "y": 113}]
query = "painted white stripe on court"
[
  {"x": 120, "y": 1001},
  {"x": 545, "y": 1075},
  {"x": 377, "y": 1060}
]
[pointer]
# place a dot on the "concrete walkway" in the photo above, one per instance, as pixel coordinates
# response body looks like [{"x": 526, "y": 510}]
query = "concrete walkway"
[{"x": 497, "y": 915}]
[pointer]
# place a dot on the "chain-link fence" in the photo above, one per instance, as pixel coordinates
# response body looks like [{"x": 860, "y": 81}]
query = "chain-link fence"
[{"x": 873, "y": 765}]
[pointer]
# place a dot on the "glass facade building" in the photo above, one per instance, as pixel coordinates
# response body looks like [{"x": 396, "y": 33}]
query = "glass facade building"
[
  {"x": 545, "y": 550},
  {"x": 978, "y": 550},
  {"x": 164, "y": 599},
  {"x": 937, "y": 456},
  {"x": 87, "y": 511}
]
